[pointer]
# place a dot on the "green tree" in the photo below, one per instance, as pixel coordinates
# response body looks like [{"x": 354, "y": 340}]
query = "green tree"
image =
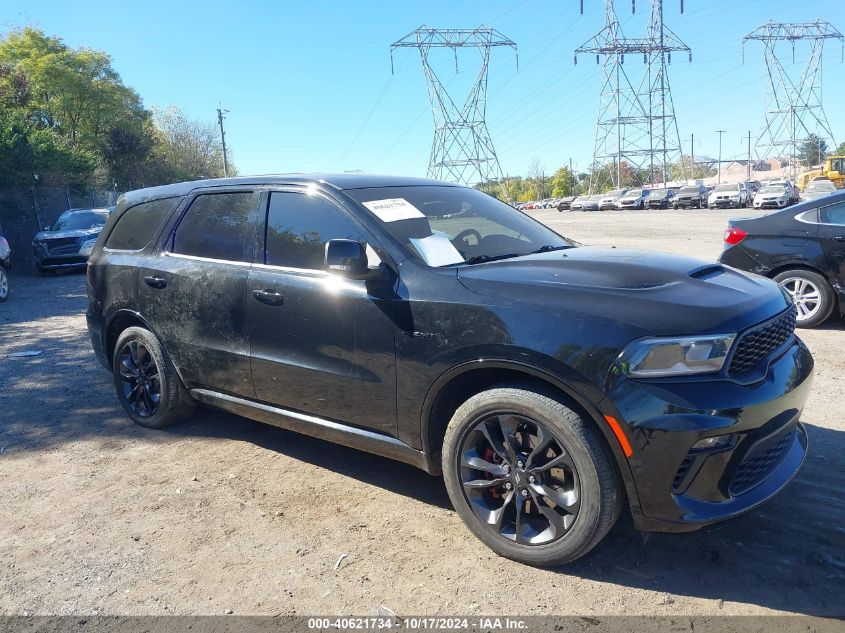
[
  {"x": 563, "y": 183},
  {"x": 812, "y": 151}
]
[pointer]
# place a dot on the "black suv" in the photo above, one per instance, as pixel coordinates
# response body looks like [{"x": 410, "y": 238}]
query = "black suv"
[
  {"x": 691, "y": 196},
  {"x": 68, "y": 243},
  {"x": 552, "y": 385}
]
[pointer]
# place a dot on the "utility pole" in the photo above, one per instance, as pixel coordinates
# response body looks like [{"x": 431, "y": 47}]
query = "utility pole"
[
  {"x": 220, "y": 116},
  {"x": 691, "y": 155},
  {"x": 720, "y": 132},
  {"x": 748, "y": 167},
  {"x": 571, "y": 179}
]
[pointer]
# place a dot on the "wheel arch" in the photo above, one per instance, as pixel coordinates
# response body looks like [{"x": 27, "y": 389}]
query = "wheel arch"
[
  {"x": 123, "y": 319},
  {"x": 461, "y": 382},
  {"x": 802, "y": 265}
]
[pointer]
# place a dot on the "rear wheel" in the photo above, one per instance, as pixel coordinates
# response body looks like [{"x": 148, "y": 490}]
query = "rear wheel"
[
  {"x": 531, "y": 479},
  {"x": 146, "y": 381},
  {"x": 4, "y": 284},
  {"x": 812, "y": 295}
]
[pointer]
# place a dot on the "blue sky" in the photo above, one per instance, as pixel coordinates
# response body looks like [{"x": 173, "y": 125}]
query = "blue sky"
[{"x": 309, "y": 87}]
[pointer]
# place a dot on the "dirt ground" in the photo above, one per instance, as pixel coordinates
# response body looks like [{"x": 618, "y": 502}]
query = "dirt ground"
[{"x": 222, "y": 514}]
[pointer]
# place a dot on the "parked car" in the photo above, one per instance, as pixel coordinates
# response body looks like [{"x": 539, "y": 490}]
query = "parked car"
[
  {"x": 772, "y": 197},
  {"x": 5, "y": 266},
  {"x": 68, "y": 243},
  {"x": 592, "y": 202},
  {"x": 565, "y": 203},
  {"x": 690, "y": 196},
  {"x": 802, "y": 248},
  {"x": 549, "y": 203},
  {"x": 578, "y": 203},
  {"x": 728, "y": 195},
  {"x": 633, "y": 199},
  {"x": 433, "y": 324},
  {"x": 792, "y": 191},
  {"x": 608, "y": 200},
  {"x": 817, "y": 189},
  {"x": 661, "y": 198}
]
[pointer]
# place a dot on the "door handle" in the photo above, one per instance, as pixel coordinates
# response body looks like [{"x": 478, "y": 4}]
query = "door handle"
[
  {"x": 270, "y": 297},
  {"x": 155, "y": 282}
]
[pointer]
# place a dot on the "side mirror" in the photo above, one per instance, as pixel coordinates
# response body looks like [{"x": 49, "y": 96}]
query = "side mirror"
[{"x": 347, "y": 258}]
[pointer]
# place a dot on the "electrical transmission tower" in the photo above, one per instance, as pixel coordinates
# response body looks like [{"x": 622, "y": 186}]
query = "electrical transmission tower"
[
  {"x": 462, "y": 150},
  {"x": 636, "y": 128},
  {"x": 793, "y": 106}
]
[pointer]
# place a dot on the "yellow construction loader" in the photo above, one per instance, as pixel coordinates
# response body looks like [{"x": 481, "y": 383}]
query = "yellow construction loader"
[{"x": 832, "y": 169}]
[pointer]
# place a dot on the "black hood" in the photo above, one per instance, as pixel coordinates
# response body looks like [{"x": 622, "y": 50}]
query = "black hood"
[{"x": 657, "y": 293}]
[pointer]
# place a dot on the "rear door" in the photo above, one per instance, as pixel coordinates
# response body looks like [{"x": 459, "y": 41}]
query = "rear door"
[
  {"x": 832, "y": 237},
  {"x": 197, "y": 290},
  {"x": 320, "y": 344}
]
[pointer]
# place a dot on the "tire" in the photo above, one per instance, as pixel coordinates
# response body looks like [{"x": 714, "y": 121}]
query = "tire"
[
  {"x": 595, "y": 498},
  {"x": 171, "y": 403},
  {"x": 818, "y": 298},
  {"x": 4, "y": 285}
]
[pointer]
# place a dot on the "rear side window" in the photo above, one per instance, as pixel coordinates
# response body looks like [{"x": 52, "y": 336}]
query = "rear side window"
[
  {"x": 833, "y": 214},
  {"x": 298, "y": 227},
  {"x": 137, "y": 226},
  {"x": 215, "y": 226}
]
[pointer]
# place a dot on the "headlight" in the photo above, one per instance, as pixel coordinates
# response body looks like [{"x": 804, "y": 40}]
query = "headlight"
[
  {"x": 87, "y": 247},
  {"x": 657, "y": 357}
]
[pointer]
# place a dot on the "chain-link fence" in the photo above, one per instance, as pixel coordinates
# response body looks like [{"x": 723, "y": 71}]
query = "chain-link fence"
[{"x": 24, "y": 212}]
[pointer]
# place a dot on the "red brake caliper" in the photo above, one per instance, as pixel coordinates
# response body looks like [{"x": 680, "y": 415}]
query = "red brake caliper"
[{"x": 491, "y": 456}]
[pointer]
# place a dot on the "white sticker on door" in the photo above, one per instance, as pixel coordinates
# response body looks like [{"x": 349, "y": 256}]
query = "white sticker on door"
[{"x": 394, "y": 209}]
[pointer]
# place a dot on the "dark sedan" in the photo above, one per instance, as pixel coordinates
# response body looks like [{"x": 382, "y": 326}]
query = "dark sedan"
[
  {"x": 68, "y": 243},
  {"x": 801, "y": 247}
]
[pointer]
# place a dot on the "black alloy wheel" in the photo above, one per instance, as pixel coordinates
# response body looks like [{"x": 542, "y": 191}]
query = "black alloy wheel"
[
  {"x": 519, "y": 479},
  {"x": 139, "y": 379}
]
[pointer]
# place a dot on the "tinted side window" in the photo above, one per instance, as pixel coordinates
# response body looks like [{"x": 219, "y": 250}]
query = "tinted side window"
[
  {"x": 136, "y": 227},
  {"x": 833, "y": 214},
  {"x": 298, "y": 227},
  {"x": 215, "y": 226}
]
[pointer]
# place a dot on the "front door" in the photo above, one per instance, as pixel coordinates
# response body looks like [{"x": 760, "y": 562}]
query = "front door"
[
  {"x": 197, "y": 290},
  {"x": 320, "y": 344},
  {"x": 832, "y": 237}
]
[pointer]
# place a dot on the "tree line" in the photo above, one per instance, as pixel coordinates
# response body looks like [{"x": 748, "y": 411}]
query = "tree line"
[{"x": 67, "y": 119}]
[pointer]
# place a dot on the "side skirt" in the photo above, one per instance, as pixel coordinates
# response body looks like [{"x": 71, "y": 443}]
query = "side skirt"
[{"x": 317, "y": 427}]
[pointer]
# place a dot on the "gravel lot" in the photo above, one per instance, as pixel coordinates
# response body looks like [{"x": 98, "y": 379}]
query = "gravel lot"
[{"x": 223, "y": 514}]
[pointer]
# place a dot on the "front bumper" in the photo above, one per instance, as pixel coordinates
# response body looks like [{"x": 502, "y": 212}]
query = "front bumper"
[
  {"x": 769, "y": 204},
  {"x": 682, "y": 489},
  {"x": 724, "y": 203}
]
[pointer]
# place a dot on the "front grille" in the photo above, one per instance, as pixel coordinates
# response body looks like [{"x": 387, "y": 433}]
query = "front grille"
[
  {"x": 762, "y": 341},
  {"x": 752, "y": 471},
  {"x": 63, "y": 246}
]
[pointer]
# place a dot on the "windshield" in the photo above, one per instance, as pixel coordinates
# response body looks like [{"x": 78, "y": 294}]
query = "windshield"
[
  {"x": 725, "y": 188},
  {"x": 80, "y": 220},
  {"x": 659, "y": 193},
  {"x": 614, "y": 194},
  {"x": 688, "y": 190},
  {"x": 636, "y": 193},
  {"x": 772, "y": 189},
  {"x": 451, "y": 225},
  {"x": 821, "y": 186}
]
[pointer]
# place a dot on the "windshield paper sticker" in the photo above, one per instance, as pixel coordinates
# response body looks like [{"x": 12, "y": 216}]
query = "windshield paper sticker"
[
  {"x": 393, "y": 209},
  {"x": 437, "y": 250}
]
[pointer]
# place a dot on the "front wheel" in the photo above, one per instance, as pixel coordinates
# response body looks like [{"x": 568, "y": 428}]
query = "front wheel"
[
  {"x": 529, "y": 477},
  {"x": 812, "y": 295},
  {"x": 146, "y": 381}
]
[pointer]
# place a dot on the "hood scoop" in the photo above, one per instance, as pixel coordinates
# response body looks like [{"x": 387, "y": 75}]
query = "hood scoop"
[{"x": 706, "y": 272}]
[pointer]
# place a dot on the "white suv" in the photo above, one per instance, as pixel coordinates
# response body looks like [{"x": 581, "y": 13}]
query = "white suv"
[{"x": 728, "y": 195}]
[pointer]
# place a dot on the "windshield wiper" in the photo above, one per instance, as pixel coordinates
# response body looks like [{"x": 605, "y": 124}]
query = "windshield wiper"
[
  {"x": 549, "y": 248},
  {"x": 480, "y": 259}
]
